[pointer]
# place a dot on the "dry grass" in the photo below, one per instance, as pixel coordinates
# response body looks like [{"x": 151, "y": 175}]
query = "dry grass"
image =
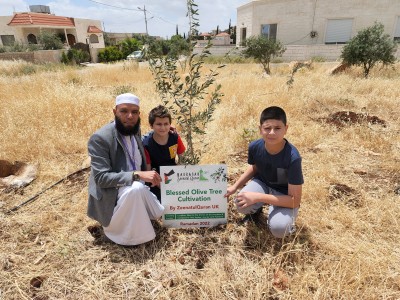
[{"x": 347, "y": 244}]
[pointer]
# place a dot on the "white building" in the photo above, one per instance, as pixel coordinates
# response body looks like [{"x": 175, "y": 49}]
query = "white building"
[{"x": 315, "y": 22}]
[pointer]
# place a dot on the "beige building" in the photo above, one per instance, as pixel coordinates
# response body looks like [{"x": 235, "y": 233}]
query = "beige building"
[
  {"x": 315, "y": 22},
  {"x": 25, "y": 27}
]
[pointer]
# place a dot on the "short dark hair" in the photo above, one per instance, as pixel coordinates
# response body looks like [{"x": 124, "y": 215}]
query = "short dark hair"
[
  {"x": 274, "y": 113},
  {"x": 159, "y": 112}
]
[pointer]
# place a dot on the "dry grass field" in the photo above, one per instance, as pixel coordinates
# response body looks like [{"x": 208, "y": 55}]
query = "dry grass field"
[{"x": 347, "y": 242}]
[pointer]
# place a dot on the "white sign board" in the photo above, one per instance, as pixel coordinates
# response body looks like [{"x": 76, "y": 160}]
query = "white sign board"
[{"x": 193, "y": 195}]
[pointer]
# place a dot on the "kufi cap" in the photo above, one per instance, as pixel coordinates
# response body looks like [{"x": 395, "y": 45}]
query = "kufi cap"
[{"x": 127, "y": 98}]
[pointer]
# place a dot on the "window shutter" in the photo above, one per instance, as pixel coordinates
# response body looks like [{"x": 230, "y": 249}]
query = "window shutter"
[
  {"x": 397, "y": 30},
  {"x": 338, "y": 31}
]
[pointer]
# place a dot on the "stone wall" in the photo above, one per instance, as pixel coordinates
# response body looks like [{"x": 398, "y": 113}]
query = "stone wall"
[
  {"x": 293, "y": 52},
  {"x": 42, "y": 56},
  {"x": 27, "y": 56}
]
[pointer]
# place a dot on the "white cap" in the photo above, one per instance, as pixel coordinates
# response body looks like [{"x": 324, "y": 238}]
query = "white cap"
[{"x": 127, "y": 98}]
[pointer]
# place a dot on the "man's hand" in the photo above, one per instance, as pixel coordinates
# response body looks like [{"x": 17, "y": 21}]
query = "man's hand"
[
  {"x": 150, "y": 176},
  {"x": 245, "y": 199}
]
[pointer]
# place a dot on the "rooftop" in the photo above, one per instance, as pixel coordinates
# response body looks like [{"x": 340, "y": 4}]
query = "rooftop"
[{"x": 30, "y": 18}]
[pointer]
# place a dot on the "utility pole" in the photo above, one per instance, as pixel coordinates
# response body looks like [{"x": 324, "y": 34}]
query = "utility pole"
[{"x": 145, "y": 17}]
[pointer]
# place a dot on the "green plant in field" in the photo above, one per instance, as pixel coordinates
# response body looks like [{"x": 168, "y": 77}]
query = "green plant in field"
[
  {"x": 184, "y": 95},
  {"x": 249, "y": 134},
  {"x": 318, "y": 59},
  {"x": 369, "y": 47},
  {"x": 263, "y": 49},
  {"x": 296, "y": 67}
]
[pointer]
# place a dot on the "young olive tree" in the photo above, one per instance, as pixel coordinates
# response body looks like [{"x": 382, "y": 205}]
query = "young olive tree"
[
  {"x": 262, "y": 49},
  {"x": 369, "y": 47},
  {"x": 190, "y": 95}
]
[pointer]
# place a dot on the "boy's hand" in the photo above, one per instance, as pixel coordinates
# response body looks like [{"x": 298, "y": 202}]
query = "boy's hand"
[
  {"x": 245, "y": 199},
  {"x": 229, "y": 191},
  {"x": 172, "y": 130}
]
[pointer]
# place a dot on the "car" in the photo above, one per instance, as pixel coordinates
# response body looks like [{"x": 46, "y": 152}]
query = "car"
[{"x": 135, "y": 55}]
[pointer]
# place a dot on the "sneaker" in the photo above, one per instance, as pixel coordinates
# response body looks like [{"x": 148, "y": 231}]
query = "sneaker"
[
  {"x": 95, "y": 231},
  {"x": 254, "y": 217}
]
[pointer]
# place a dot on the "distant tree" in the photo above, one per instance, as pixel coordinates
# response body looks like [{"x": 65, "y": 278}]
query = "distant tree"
[
  {"x": 158, "y": 48},
  {"x": 369, "y": 47},
  {"x": 217, "y": 29},
  {"x": 177, "y": 32},
  {"x": 128, "y": 45},
  {"x": 178, "y": 46},
  {"x": 263, "y": 50},
  {"x": 50, "y": 40},
  {"x": 233, "y": 35},
  {"x": 107, "y": 40}
]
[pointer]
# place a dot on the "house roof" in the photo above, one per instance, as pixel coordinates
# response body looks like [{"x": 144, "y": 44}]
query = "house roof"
[
  {"x": 29, "y": 18},
  {"x": 93, "y": 29},
  {"x": 223, "y": 34},
  {"x": 205, "y": 34}
]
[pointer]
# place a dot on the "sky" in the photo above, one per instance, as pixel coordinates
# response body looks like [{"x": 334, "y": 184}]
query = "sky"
[{"x": 125, "y": 15}]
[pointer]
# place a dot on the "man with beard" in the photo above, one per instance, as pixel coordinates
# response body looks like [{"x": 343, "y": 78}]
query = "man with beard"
[{"x": 118, "y": 197}]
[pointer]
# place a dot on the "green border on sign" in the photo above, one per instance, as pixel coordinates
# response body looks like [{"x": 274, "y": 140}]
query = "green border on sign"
[{"x": 194, "y": 216}]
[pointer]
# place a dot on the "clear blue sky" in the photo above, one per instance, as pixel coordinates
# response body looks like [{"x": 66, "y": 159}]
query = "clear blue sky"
[{"x": 162, "y": 15}]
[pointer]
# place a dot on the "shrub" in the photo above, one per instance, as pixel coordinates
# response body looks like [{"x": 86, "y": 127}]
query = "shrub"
[
  {"x": 75, "y": 56},
  {"x": 110, "y": 54},
  {"x": 369, "y": 47}
]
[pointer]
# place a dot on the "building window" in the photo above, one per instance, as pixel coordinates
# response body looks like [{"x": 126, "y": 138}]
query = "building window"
[
  {"x": 7, "y": 40},
  {"x": 397, "y": 31},
  {"x": 94, "y": 39},
  {"x": 338, "y": 31},
  {"x": 269, "y": 31},
  {"x": 32, "y": 39},
  {"x": 243, "y": 34}
]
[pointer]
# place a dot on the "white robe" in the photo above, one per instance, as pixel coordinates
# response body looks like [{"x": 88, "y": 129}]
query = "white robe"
[
  {"x": 136, "y": 206},
  {"x": 130, "y": 223}
]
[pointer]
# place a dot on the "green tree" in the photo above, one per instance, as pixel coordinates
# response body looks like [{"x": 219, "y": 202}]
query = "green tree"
[
  {"x": 263, "y": 49},
  {"x": 50, "y": 40},
  {"x": 369, "y": 47},
  {"x": 158, "y": 48},
  {"x": 128, "y": 45},
  {"x": 178, "y": 46},
  {"x": 184, "y": 93}
]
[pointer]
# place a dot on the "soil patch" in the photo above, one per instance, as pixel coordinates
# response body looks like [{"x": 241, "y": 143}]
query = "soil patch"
[
  {"x": 342, "y": 192},
  {"x": 343, "y": 118}
]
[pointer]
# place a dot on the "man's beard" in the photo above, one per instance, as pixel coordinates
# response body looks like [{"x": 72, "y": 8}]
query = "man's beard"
[{"x": 126, "y": 130}]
